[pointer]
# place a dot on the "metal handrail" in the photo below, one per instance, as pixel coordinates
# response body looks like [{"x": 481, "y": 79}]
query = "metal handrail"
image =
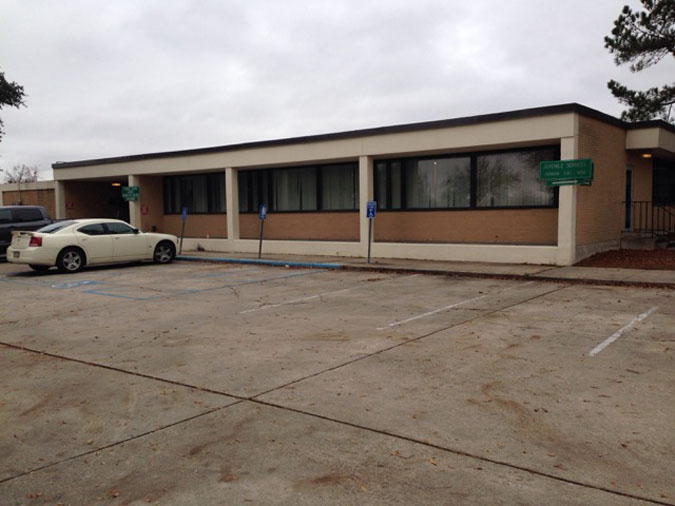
[{"x": 650, "y": 218}]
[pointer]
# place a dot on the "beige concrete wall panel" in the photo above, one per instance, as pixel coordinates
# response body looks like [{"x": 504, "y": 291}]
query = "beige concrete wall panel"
[
  {"x": 667, "y": 140},
  {"x": 510, "y": 133},
  {"x": 504, "y": 226},
  {"x": 648, "y": 139},
  {"x": 325, "y": 226},
  {"x": 197, "y": 225},
  {"x": 643, "y": 138},
  {"x": 600, "y": 212}
]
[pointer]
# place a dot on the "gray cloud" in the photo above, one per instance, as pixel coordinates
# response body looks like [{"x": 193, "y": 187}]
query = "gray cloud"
[{"x": 123, "y": 77}]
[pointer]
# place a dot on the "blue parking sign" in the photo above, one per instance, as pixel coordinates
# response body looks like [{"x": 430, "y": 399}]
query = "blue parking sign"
[
  {"x": 371, "y": 206},
  {"x": 262, "y": 211},
  {"x": 183, "y": 214}
]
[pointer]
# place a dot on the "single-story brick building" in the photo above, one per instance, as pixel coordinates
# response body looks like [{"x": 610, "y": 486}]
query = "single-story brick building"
[{"x": 457, "y": 189}]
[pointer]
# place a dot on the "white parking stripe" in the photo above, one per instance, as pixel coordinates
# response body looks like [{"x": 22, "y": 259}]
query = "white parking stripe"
[
  {"x": 401, "y": 322},
  {"x": 311, "y": 297},
  {"x": 619, "y": 332}
]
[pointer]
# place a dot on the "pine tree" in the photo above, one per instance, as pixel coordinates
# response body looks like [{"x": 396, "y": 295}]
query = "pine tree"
[
  {"x": 11, "y": 94},
  {"x": 642, "y": 39}
]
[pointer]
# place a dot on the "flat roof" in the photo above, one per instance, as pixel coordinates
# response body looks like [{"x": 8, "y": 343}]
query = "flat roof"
[{"x": 401, "y": 128}]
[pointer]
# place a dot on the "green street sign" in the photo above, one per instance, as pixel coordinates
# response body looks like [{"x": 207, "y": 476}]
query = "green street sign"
[
  {"x": 566, "y": 172},
  {"x": 130, "y": 193}
]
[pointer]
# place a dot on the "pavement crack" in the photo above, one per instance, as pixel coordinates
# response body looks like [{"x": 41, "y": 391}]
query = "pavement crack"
[
  {"x": 466, "y": 454},
  {"x": 117, "y": 443}
]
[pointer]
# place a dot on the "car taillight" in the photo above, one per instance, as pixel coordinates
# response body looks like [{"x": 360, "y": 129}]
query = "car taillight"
[{"x": 35, "y": 240}]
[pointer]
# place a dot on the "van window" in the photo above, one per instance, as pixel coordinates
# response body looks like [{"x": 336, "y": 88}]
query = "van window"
[
  {"x": 27, "y": 214},
  {"x": 5, "y": 215}
]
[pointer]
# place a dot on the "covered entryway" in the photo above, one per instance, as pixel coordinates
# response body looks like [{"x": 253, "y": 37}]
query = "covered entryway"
[{"x": 95, "y": 199}]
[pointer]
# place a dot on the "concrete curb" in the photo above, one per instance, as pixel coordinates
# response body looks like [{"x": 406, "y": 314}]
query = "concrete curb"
[
  {"x": 449, "y": 273},
  {"x": 276, "y": 263}
]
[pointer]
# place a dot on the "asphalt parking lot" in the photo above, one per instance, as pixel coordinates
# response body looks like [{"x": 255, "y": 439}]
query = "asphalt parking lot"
[{"x": 204, "y": 384}]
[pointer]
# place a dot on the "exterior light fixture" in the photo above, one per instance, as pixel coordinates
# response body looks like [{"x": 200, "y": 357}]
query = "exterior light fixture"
[
  {"x": 117, "y": 184},
  {"x": 646, "y": 155}
]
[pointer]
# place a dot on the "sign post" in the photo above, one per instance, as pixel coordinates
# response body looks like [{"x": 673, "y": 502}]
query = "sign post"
[
  {"x": 183, "y": 217},
  {"x": 262, "y": 214},
  {"x": 371, "y": 208},
  {"x": 567, "y": 172}
]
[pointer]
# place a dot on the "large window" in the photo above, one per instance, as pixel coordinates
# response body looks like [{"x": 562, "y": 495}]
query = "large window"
[
  {"x": 315, "y": 188},
  {"x": 475, "y": 180},
  {"x": 201, "y": 193},
  {"x": 512, "y": 179}
]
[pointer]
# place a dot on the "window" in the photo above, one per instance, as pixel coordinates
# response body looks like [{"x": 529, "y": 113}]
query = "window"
[
  {"x": 27, "y": 214},
  {"x": 95, "y": 229},
  {"x": 438, "y": 182},
  {"x": 314, "y": 188},
  {"x": 201, "y": 193},
  {"x": 339, "y": 187},
  {"x": 294, "y": 190},
  {"x": 5, "y": 215},
  {"x": 55, "y": 227},
  {"x": 118, "y": 228},
  {"x": 512, "y": 179},
  {"x": 475, "y": 180}
]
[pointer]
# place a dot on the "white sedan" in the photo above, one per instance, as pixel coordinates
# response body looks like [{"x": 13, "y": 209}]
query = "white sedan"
[{"x": 71, "y": 244}]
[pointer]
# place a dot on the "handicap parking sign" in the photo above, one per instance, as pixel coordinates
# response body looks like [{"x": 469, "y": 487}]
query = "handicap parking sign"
[{"x": 371, "y": 206}]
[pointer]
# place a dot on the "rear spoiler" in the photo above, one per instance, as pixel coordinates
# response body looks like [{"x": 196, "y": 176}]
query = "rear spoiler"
[{"x": 22, "y": 232}]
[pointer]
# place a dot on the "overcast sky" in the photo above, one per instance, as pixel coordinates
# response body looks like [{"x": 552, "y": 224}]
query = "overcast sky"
[{"x": 109, "y": 78}]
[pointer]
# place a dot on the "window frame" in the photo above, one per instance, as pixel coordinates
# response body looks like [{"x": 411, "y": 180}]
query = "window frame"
[{"x": 473, "y": 177}]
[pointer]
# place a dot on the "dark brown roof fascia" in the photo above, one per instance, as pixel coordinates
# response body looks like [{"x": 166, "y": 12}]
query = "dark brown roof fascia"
[{"x": 409, "y": 127}]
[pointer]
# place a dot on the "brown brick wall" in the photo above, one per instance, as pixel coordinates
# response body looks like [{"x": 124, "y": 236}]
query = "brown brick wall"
[
  {"x": 323, "y": 226},
  {"x": 504, "y": 226},
  {"x": 151, "y": 197},
  {"x": 44, "y": 198},
  {"x": 600, "y": 212},
  {"x": 196, "y": 225},
  {"x": 642, "y": 177}
]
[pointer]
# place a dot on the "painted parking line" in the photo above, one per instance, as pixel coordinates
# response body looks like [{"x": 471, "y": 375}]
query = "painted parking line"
[
  {"x": 301, "y": 299},
  {"x": 110, "y": 292},
  {"x": 75, "y": 284},
  {"x": 620, "y": 332},
  {"x": 451, "y": 306},
  {"x": 318, "y": 296}
]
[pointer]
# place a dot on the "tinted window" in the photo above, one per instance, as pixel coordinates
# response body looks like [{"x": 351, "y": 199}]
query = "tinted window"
[
  {"x": 5, "y": 215},
  {"x": 119, "y": 228},
  {"x": 95, "y": 229},
  {"x": 27, "y": 214},
  {"x": 55, "y": 227}
]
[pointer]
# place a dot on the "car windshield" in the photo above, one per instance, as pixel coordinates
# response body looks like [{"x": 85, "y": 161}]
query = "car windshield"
[{"x": 55, "y": 227}]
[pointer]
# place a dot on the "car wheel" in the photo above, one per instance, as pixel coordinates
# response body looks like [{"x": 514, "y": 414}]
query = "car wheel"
[
  {"x": 164, "y": 253},
  {"x": 70, "y": 260},
  {"x": 39, "y": 268}
]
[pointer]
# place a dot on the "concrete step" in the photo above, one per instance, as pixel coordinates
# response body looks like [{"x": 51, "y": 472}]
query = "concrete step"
[{"x": 638, "y": 241}]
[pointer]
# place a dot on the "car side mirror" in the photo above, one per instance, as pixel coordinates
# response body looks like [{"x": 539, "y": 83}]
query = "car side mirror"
[{"x": 135, "y": 231}]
